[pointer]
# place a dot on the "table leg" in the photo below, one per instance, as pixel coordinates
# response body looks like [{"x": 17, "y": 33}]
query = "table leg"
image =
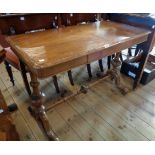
[
  {"x": 115, "y": 75},
  {"x": 38, "y": 110}
]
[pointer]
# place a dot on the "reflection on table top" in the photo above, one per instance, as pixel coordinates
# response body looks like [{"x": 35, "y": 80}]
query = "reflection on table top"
[{"x": 51, "y": 47}]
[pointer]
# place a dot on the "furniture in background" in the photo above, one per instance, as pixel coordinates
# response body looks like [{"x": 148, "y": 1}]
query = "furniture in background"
[
  {"x": 129, "y": 67},
  {"x": 7, "y": 128}
]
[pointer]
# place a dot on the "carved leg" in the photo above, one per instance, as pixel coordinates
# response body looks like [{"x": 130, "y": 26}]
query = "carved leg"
[
  {"x": 38, "y": 109},
  {"x": 101, "y": 65},
  {"x": 9, "y": 70},
  {"x": 89, "y": 71},
  {"x": 70, "y": 77},
  {"x": 24, "y": 76},
  {"x": 55, "y": 81},
  {"x": 114, "y": 74}
]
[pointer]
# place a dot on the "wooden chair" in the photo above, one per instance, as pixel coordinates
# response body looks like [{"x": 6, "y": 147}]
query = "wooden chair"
[
  {"x": 7, "y": 128},
  {"x": 22, "y": 23}
]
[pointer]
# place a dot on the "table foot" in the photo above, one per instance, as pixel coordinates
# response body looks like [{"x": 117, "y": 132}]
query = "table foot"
[
  {"x": 44, "y": 120},
  {"x": 115, "y": 75},
  {"x": 38, "y": 110},
  {"x": 40, "y": 115}
]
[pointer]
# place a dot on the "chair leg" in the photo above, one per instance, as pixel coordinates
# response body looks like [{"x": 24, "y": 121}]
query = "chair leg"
[
  {"x": 9, "y": 70},
  {"x": 109, "y": 62},
  {"x": 25, "y": 80},
  {"x": 121, "y": 57},
  {"x": 137, "y": 50},
  {"x": 70, "y": 77},
  {"x": 129, "y": 52},
  {"x": 89, "y": 71},
  {"x": 55, "y": 81},
  {"x": 101, "y": 65}
]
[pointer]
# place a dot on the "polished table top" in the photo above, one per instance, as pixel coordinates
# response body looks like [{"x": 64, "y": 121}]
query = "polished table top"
[{"x": 48, "y": 48}]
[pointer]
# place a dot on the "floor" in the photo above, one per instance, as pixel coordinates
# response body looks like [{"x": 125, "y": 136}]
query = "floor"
[{"x": 101, "y": 114}]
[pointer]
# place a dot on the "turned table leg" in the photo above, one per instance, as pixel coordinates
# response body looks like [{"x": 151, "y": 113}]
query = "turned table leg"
[
  {"x": 38, "y": 109},
  {"x": 115, "y": 75}
]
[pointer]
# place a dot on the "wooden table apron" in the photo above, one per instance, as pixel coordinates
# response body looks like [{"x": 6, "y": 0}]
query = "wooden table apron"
[{"x": 120, "y": 37}]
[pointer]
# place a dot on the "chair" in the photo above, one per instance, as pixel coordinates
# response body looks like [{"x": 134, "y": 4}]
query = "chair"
[{"x": 7, "y": 128}]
